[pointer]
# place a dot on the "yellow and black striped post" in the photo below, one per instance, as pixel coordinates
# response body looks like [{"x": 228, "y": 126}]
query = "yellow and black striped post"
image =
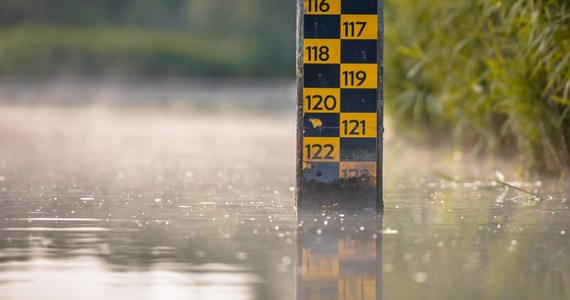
[{"x": 340, "y": 103}]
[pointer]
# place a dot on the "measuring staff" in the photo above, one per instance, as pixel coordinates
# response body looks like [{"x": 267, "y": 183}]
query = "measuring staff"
[{"x": 340, "y": 103}]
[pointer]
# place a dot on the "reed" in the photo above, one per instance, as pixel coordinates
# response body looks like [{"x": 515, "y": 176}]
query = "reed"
[{"x": 494, "y": 75}]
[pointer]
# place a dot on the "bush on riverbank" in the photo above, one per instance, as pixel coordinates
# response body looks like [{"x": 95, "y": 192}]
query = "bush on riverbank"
[{"x": 493, "y": 74}]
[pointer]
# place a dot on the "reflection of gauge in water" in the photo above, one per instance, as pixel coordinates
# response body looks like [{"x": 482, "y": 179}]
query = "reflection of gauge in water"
[{"x": 339, "y": 255}]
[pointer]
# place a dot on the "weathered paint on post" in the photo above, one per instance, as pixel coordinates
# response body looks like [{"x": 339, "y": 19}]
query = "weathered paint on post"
[{"x": 339, "y": 103}]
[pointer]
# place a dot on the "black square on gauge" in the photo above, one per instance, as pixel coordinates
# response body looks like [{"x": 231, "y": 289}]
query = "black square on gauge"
[
  {"x": 322, "y": 26},
  {"x": 318, "y": 172},
  {"x": 360, "y": 7},
  {"x": 359, "y": 51},
  {"x": 321, "y": 76},
  {"x": 358, "y": 100},
  {"x": 358, "y": 149},
  {"x": 321, "y": 125}
]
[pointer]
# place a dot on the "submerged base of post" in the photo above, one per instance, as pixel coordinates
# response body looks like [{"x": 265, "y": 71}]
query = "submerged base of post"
[{"x": 340, "y": 195}]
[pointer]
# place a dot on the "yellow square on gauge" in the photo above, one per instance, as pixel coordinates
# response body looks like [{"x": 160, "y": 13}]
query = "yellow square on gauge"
[
  {"x": 358, "y": 76},
  {"x": 321, "y": 100},
  {"x": 359, "y": 27},
  {"x": 321, "y": 149},
  {"x": 358, "y": 125},
  {"x": 321, "y": 51},
  {"x": 322, "y": 7}
]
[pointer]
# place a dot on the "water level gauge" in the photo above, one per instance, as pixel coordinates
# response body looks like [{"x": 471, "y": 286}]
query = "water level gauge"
[{"x": 340, "y": 103}]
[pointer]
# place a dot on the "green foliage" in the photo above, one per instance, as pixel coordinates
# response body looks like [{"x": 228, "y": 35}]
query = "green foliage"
[
  {"x": 123, "y": 51},
  {"x": 147, "y": 37},
  {"x": 495, "y": 74}
]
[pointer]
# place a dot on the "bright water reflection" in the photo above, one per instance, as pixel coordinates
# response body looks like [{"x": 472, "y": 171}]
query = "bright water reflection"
[
  {"x": 87, "y": 277},
  {"x": 142, "y": 259}
]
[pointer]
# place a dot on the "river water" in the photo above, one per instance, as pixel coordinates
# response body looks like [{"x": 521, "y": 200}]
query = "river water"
[{"x": 131, "y": 191}]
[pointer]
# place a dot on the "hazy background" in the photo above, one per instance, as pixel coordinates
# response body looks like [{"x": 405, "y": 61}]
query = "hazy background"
[
  {"x": 175, "y": 38},
  {"x": 487, "y": 76}
]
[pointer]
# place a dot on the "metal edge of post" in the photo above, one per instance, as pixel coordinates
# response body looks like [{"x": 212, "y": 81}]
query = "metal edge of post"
[
  {"x": 299, "y": 101},
  {"x": 380, "y": 109},
  {"x": 380, "y": 158},
  {"x": 299, "y": 134}
]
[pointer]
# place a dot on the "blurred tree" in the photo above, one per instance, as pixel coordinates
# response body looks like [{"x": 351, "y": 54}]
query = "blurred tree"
[{"x": 261, "y": 32}]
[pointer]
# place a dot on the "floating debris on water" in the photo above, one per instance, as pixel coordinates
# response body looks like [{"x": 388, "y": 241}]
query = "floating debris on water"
[
  {"x": 421, "y": 277},
  {"x": 390, "y": 231}
]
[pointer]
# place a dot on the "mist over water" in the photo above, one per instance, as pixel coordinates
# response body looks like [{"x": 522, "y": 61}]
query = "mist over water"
[{"x": 190, "y": 196}]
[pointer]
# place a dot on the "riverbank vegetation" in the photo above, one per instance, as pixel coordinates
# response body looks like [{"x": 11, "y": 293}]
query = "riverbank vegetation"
[
  {"x": 147, "y": 38},
  {"x": 494, "y": 75},
  {"x": 63, "y": 50}
]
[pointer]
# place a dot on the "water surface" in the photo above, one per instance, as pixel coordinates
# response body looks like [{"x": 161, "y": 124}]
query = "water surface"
[{"x": 102, "y": 201}]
